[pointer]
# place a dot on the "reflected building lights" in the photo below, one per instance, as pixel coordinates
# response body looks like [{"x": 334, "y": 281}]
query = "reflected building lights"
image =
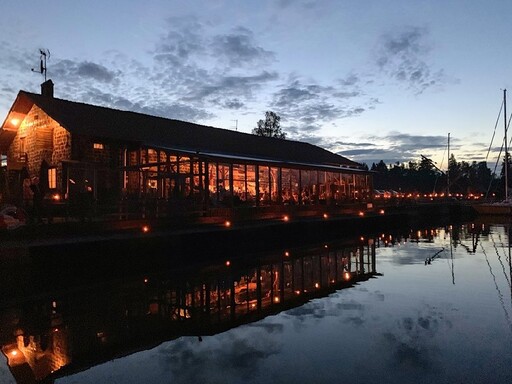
[{"x": 206, "y": 299}]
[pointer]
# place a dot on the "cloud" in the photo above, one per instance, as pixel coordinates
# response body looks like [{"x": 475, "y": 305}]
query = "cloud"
[
  {"x": 408, "y": 142},
  {"x": 240, "y": 49},
  {"x": 306, "y": 106},
  {"x": 401, "y": 56},
  {"x": 68, "y": 70},
  {"x": 232, "y": 104},
  {"x": 229, "y": 86},
  {"x": 163, "y": 108},
  {"x": 183, "y": 40},
  {"x": 393, "y": 147},
  {"x": 209, "y": 70},
  {"x": 95, "y": 71}
]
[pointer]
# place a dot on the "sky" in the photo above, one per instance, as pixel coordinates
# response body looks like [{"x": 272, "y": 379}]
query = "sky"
[{"x": 368, "y": 79}]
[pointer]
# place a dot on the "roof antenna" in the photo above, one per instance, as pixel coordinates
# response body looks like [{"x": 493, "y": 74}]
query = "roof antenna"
[{"x": 45, "y": 54}]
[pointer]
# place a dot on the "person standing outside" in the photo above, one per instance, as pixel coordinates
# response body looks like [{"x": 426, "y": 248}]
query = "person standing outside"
[
  {"x": 28, "y": 195},
  {"x": 37, "y": 200}
]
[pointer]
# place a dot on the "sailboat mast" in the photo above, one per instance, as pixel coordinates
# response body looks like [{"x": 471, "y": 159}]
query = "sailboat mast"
[
  {"x": 506, "y": 149},
  {"x": 448, "y": 171}
]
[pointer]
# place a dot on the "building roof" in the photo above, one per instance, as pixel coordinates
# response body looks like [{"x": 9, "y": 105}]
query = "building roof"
[{"x": 116, "y": 125}]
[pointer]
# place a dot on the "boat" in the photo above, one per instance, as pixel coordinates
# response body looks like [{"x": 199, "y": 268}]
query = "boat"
[{"x": 502, "y": 207}]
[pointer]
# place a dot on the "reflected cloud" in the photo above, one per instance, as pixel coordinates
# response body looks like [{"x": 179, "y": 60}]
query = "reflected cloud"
[
  {"x": 224, "y": 357},
  {"x": 413, "y": 341}
]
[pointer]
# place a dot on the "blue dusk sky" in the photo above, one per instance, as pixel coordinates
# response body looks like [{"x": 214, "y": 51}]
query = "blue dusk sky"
[{"x": 370, "y": 80}]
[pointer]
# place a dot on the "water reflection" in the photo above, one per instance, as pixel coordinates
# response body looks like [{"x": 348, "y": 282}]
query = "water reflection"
[
  {"x": 68, "y": 330},
  {"x": 283, "y": 316}
]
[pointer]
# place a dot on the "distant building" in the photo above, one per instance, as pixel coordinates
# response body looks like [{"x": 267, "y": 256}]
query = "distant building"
[{"x": 117, "y": 155}]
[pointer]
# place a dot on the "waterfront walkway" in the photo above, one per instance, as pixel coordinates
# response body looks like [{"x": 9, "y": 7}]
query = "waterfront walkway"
[{"x": 286, "y": 220}]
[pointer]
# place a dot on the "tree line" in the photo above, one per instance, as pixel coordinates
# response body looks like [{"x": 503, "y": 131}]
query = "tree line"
[
  {"x": 425, "y": 177},
  {"x": 422, "y": 176}
]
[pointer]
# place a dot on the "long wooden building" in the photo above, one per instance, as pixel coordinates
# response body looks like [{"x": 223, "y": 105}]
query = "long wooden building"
[{"x": 121, "y": 155}]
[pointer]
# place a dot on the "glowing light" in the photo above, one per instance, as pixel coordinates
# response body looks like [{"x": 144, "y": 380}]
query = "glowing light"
[
  {"x": 361, "y": 238},
  {"x": 286, "y": 218},
  {"x": 347, "y": 275},
  {"x": 326, "y": 246},
  {"x": 287, "y": 253},
  {"x": 146, "y": 280},
  {"x": 276, "y": 299},
  {"x": 14, "y": 353},
  {"x": 56, "y": 197},
  {"x": 381, "y": 212},
  {"x": 297, "y": 292},
  {"x": 15, "y": 121},
  {"x": 326, "y": 216},
  {"x": 361, "y": 213},
  {"x": 227, "y": 224},
  {"x": 317, "y": 285},
  {"x": 228, "y": 263},
  {"x": 145, "y": 228}
]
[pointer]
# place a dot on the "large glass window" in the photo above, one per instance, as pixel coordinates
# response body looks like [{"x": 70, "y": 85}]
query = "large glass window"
[
  {"x": 305, "y": 180},
  {"x": 295, "y": 185},
  {"x": 152, "y": 156},
  {"x": 331, "y": 186},
  {"x": 198, "y": 177},
  {"x": 274, "y": 185},
  {"x": 239, "y": 186},
  {"x": 184, "y": 164},
  {"x": 251, "y": 183},
  {"x": 361, "y": 187},
  {"x": 286, "y": 186},
  {"x": 212, "y": 177},
  {"x": 322, "y": 188},
  {"x": 313, "y": 187},
  {"x": 264, "y": 184},
  {"x": 348, "y": 184},
  {"x": 223, "y": 188}
]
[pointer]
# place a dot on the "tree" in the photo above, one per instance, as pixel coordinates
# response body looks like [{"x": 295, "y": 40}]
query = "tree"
[{"x": 270, "y": 127}]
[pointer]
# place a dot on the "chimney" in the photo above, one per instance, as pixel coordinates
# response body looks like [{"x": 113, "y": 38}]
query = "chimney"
[{"x": 47, "y": 88}]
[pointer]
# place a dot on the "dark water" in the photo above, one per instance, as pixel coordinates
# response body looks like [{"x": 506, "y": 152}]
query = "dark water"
[{"x": 422, "y": 306}]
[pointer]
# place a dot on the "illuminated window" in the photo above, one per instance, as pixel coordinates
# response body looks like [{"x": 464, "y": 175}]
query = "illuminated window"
[
  {"x": 98, "y": 146},
  {"x": 52, "y": 178},
  {"x": 22, "y": 146}
]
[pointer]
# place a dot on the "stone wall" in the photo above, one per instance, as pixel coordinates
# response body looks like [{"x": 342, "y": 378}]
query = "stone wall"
[{"x": 35, "y": 134}]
